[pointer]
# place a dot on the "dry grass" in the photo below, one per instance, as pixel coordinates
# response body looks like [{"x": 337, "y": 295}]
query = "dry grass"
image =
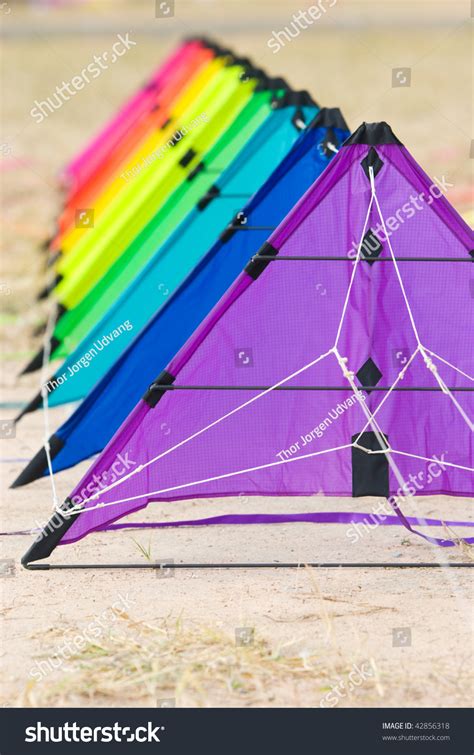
[
  {"x": 325, "y": 632},
  {"x": 195, "y": 665},
  {"x": 202, "y": 666},
  {"x": 199, "y": 666}
]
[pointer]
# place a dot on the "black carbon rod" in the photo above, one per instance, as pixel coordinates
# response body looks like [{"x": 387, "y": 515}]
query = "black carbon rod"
[
  {"x": 284, "y": 257},
  {"x": 253, "y": 565},
  {"x": 300, "y": 388}
]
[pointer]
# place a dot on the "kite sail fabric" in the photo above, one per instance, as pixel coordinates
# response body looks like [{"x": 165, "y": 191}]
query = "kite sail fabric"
[
  {"x": 133, "y": 209},
  {"x": 318, "y": 369},
  {"x": 188, "y": 104},
  {"x": 155, "y": 116},
  {"x": 75, "y": 324},
  {"x": 81, "y": 167},
  {"x": 149, "y": 98},
  {"x": 92, "y": 425},
  {"x": 82, "y": 317},
  {"x": 137, "y": 200},
  {"x": 162, "y": 275}
]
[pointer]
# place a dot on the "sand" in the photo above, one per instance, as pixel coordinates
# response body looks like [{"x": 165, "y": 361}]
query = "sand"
[{"x": 341, "y": 617}]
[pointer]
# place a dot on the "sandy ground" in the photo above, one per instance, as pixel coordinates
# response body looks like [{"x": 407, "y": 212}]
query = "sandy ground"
[{"x": 340, "y": 617}]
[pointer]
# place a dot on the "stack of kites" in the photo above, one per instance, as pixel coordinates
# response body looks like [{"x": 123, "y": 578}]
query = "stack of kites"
[{"x": 222, "y": 265}]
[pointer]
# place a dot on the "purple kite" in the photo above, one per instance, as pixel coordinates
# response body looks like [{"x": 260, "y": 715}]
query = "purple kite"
[{"x": 340, "y": 360}]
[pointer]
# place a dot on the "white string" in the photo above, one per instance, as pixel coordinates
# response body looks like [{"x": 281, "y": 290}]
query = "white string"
[
  {"x": 385, "y": 448},
  {"x": 44, "y": 396},
  {"x": 342, "y": 361},
  {"x": 141, "y": 467},
  {"x": 357, "y": 259},
  {"x": 350, "y": 377},
  {"x": 434, "y": 370},
  {"x": 78, "y": 508},
  {"x": 402, "y": 287},
  {"x": 428, "y": 362},
  {"x": 445, "y": 361},
  {"x": 399, "y": 377},
  {"x": 95, "y": 496}
]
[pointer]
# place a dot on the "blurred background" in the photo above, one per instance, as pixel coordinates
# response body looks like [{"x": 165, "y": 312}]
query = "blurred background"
[{"x": 408, "y": 63}]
